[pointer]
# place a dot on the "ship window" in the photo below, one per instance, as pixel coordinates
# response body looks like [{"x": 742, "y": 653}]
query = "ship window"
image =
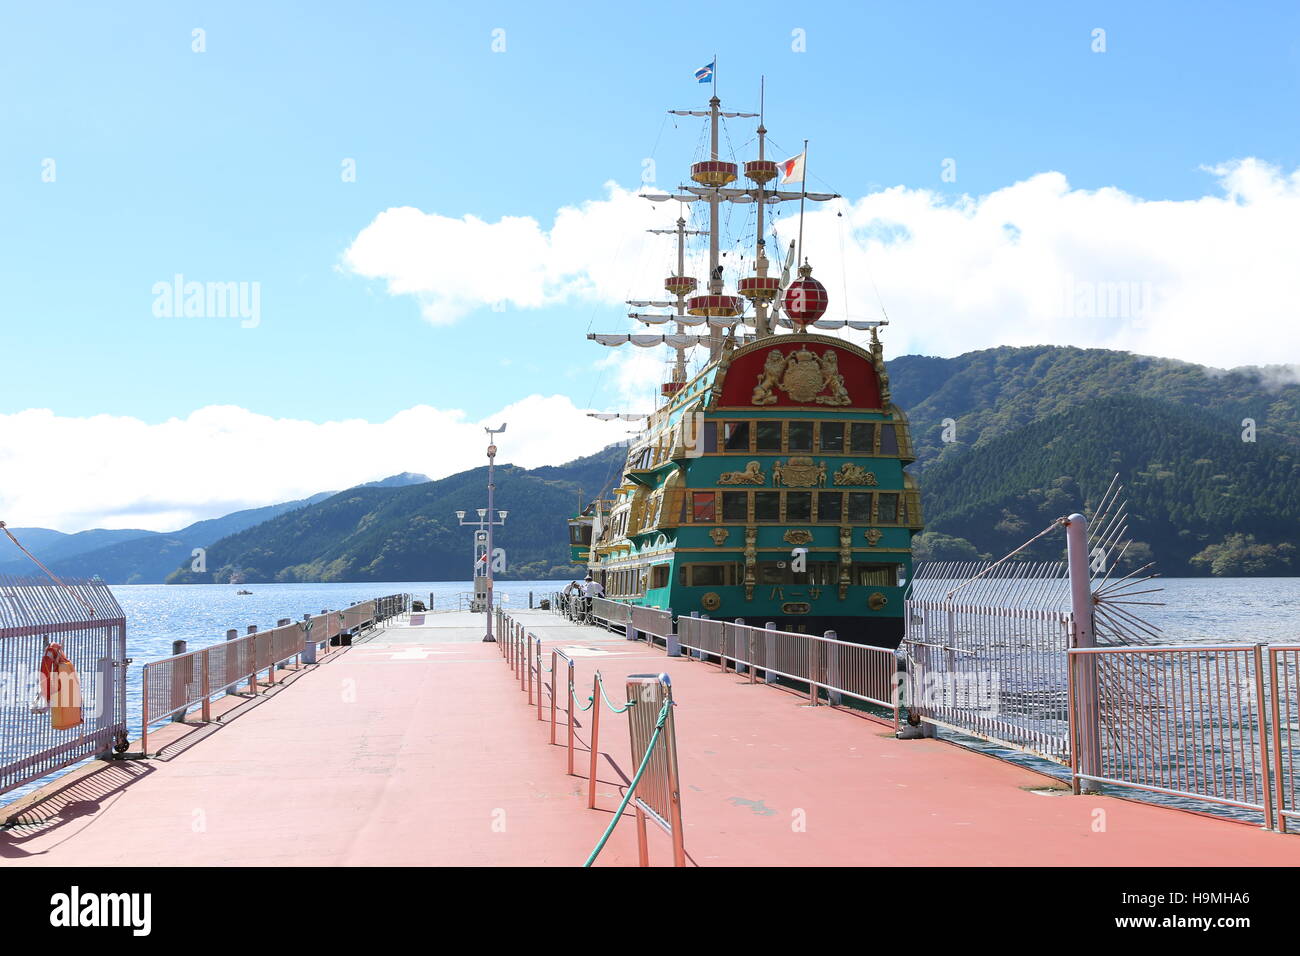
[
  {"x": 800, "y": 435},
  {"x": 705, "y": 507},
  {"x": 888, "y": 509},
  {"x": 708, "y": 575},
  {"x": 862, "y": 436},
  {"x": 710, "y": 438},
  {"x": 859, "y": 506},
  {"x": 773, "y": 572},
  {"x": 735, "y": 506},
  {"x": 798, "y": 506},
  {"x": 659, "y": 576},
  {"x": 832, "y": 436},
  {"x": 769, "y": 436},
  {"x": 888, "y": 440},
  {"x": 823, "y": 573},
  {"x": 735, "y": 436},
  {"x": 876, "y": 575},
  {"x": 830, "y": 505},
  {"x": 767, "y": 506}
]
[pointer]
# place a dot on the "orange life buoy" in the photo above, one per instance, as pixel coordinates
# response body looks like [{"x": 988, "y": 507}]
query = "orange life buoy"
[{"x": 60, "y": 689}]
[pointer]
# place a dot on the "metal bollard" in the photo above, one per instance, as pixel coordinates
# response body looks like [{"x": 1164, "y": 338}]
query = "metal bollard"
[
  {"x": 671, "y": 643},
  {"x": 308, "y": 645}
]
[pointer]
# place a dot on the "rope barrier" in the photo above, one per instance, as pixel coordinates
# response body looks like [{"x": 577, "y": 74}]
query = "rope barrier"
[
  {"x": 600, "y": 681},
  {"x": 631, "y": 789}
]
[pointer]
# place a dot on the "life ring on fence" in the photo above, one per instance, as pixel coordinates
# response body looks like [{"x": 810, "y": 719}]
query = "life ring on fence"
[{"x": 60, "y": 689}]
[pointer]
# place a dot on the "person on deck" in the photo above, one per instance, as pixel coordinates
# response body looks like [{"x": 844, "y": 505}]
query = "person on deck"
[{"x": 591, "y": 589}]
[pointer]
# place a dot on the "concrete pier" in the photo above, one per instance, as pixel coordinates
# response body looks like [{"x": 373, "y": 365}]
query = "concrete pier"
[{"x": 419, "y": 748}]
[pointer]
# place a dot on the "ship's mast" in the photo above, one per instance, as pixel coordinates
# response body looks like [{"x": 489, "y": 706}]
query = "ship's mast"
[
  {"x": 715, "y": 270},
  {"x": 679, "y": 288},
  {"x": 760, "y": 253}
]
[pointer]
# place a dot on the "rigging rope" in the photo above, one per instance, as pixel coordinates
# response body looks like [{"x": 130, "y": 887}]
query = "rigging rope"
[{"x": 18, "y": 544}]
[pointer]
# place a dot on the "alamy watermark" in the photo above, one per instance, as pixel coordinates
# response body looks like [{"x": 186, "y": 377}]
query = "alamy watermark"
[{"x": 178, "y": 299}]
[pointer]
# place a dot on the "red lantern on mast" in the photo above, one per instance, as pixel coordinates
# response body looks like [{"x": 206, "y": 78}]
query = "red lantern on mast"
[{"x": 805, "y": 299}]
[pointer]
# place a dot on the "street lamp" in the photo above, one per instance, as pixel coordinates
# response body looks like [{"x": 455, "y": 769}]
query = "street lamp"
[{"x": 485, "y": 520}]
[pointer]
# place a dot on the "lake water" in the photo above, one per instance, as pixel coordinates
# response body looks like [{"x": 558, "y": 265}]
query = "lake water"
[{"x": 1196, "y": 610}]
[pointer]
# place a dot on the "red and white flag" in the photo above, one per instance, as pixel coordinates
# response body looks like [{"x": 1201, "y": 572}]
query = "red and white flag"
[{"x": 792, "y": 169}]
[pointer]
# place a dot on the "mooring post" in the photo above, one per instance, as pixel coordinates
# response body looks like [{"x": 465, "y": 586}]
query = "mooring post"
[
  {"x": 180, "y": 678},
  {"x": 671, "y": 643},
  {"x": 308, "y": 644},
  {"x": 1087, "y": 734}
]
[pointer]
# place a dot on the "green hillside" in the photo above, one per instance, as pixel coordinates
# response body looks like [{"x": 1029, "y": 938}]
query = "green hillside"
[
  {"x": 1190, "y": 482},
  {"x": 412, "y": 533},
  {"x": 1037, "y": 430}
]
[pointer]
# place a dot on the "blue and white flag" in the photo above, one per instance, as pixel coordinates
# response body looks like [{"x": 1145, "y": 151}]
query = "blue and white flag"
[{"x": 705, "y": 73}]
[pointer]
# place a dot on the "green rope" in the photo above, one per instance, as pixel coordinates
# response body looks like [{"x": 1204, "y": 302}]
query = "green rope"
[
  {"x": 631, "y": 789},
  {"x": 591, "y": 700},
  {"x": 618, "y": 710}
]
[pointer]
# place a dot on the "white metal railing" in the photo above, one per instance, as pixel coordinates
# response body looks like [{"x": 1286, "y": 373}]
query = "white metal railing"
[
  {"x": 992, "y": 672},
  {"x": 1186, "y": 721}
]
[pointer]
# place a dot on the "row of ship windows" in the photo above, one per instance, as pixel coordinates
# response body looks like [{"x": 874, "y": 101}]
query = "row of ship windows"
[
  {"x": 632, "y": 581},
  {"x": 752, "y": 507},
  {"x": 777, "y": 437},
  {"x": 855, "y": 438}
]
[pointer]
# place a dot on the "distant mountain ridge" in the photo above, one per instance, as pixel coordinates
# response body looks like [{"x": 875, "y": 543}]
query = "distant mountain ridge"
[
  {"x": 143, "y": 557},
  {"x": 412, "y": 533}
]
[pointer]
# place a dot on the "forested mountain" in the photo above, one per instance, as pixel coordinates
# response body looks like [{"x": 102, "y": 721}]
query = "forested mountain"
[
  {"x": 412, "y": 533},
  {"x": 1033, "y": 433}
]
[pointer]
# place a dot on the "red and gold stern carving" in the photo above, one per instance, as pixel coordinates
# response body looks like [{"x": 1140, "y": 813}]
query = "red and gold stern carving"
[{"x": 808, "y": 374}]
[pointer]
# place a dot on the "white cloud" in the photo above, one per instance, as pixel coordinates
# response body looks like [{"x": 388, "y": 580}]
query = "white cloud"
[
  {"x": 118, "y": 472},
  {"x": 1209, "y": 280}
]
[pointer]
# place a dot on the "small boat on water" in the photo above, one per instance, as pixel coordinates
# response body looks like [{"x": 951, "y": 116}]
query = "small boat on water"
[{"x": 243, "y": 592}]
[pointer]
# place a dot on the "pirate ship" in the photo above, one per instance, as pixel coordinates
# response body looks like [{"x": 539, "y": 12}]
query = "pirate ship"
[{"x": 768, "y": 485}]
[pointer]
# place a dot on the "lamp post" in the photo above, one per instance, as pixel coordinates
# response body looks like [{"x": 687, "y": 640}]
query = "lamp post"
[{"x": 486, "y": 517}]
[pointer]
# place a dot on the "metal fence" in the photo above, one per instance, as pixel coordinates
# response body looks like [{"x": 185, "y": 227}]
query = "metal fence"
[
  {"x": 826, "y": 664},
  {"x": 53, "y": 717},
  {"x": 172, "y": 685},
  {"x": 993, "y": 672},
  {"x": 1186, "y": 721},
  {"x": 611, "y": 614}
]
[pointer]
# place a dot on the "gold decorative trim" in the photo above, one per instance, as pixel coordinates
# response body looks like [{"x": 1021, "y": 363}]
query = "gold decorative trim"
[
  {"x": 710, "y": 601},
  {"x": 719, "y": 536},
  {"x": 852, "y": 474},
  {"x": 877, "y": 601},
  {"x": 873, "y": 535},
  {"x": 752, "y": 475},
  {"x": 798, "y": 536},
  {"x": 799, "y": 472},
  {"x": 804, "y": 376}
]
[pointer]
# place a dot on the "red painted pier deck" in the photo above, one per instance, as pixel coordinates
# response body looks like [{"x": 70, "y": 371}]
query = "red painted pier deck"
[{"x": 419, "y": 748}]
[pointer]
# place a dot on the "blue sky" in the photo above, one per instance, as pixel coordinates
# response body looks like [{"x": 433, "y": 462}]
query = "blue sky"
[{"x": 225, "y": 165}]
